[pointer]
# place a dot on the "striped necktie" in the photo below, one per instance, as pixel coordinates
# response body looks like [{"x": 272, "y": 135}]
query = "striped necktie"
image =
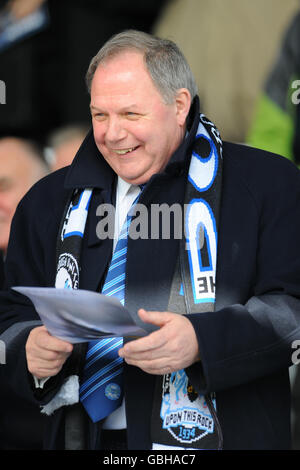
[{"x": 101, "y": 390}]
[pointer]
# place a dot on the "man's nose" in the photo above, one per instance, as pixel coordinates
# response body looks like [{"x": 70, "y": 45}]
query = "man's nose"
[{"x": 115, "y": 130}]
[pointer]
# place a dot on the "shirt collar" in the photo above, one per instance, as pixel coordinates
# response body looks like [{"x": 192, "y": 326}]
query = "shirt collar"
[{"x": 124, "y": 188}]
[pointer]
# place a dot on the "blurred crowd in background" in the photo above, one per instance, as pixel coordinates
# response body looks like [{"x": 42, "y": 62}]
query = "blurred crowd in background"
[{"x": 246, "y": 60}]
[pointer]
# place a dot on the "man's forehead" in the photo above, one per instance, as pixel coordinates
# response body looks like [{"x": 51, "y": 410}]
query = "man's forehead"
[
  {"x": 125, "y": 83},
  {"x": 128, "y": 105},
  {"x": 120, "y": 68}
]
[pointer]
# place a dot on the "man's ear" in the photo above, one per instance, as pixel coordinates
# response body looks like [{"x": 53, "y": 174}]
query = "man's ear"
[{"x": 183, "y": 103}]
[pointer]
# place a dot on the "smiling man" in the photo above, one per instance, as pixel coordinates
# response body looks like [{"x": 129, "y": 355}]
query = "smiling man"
[{"x": 220, "y": 306}]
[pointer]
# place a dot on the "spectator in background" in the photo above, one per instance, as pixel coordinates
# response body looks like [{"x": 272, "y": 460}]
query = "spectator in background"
[
  {"x": 21, "y": 165},
  {"x": 21, "y": 8},
  {"x": 52, "y": 60},
  {"x": 276, "y": 124},
  {"x": 63, "y": 144},
  {"x": 230, "y": 46}
]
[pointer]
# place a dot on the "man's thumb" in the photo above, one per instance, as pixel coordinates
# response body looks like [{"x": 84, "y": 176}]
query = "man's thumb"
[{"x": 156, "y": 318}]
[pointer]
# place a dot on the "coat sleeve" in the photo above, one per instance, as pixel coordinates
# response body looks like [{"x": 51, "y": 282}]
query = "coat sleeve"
[
  {"x": 243, "y": 342},
  {"x": 28, "y": 263}
]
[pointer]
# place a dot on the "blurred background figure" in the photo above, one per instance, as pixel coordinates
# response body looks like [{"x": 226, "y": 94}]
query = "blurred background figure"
[
  {"x": 21, "y": 165},
  {"x": 276, "y": 123},
  {"x": 230, "y": 45},
  {"x": 63, "y": 144},
  {"x": 44, "y": 66}
]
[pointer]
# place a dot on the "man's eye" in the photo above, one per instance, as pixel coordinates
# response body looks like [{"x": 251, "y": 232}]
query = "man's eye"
[
  {"x": 132, "y": 115},
  {"x": 99, "y": 116}
]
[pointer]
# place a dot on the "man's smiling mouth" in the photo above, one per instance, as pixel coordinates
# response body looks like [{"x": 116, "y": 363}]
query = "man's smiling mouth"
[{"x": 124, "y": 151}]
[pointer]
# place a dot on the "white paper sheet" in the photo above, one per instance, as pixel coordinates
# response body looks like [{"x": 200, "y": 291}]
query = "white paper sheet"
[{"x": 80, "y": 315}]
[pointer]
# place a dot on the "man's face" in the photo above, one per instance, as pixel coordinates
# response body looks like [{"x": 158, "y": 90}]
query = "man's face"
[
  {"x": 135, "y": 131},
  {"x": 16, "y": 177}
]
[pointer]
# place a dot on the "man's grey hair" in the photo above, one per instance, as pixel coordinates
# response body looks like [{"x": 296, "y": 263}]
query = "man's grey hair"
[{"x": 165, "y": 62}]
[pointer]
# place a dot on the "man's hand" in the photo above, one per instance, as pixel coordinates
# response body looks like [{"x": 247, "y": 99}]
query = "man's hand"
[
  {"x": 45, "y": 354},
  {"x": 173, "y": 347}
]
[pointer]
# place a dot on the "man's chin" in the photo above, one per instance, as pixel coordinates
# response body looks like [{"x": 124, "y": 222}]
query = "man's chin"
[
  {"x": 134, "y": 179},
  {"x": 133, "y": 175}
]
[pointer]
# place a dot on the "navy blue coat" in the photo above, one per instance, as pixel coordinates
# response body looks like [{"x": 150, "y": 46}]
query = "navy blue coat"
[{"x": 245, "y": 345}]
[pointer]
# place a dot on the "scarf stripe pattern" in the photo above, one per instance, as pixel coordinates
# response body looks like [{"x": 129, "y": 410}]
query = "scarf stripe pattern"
[{"x": 182, "y": 418}]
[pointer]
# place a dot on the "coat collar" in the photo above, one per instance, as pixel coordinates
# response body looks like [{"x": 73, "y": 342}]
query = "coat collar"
[{"x": 90, "y": 170}]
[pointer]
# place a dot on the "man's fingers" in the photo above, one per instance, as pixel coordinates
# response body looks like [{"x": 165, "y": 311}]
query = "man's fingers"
[
  {"x": 42, "y": 370},
  {"x": 172, "y": 347},
  {"x": 44, "y": 340},
  {"x": 157, "y": 367},
  {"x": 156, "y": 318},
  {"x": 46, "y": 354},
  {"x": 48, "y": 365},
  {"x": 148, "y": 343},
  {"x": 152, "y": 341}
]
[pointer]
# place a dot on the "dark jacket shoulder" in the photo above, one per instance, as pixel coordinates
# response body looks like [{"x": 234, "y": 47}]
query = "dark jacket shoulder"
[
  {"x": 257, "y": 164},
  {"x": 263, "y": 173},
  {"x": 47, "y": 195}
]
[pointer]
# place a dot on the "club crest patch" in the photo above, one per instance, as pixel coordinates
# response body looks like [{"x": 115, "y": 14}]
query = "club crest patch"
[
  {"x": 184, "y": 413},
  {"x": 67, "y": 276},
  {"x": 113, "y": 391}
]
